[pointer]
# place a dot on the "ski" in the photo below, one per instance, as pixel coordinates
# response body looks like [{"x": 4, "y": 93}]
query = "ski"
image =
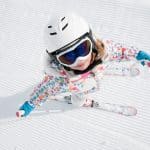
[{"x": 115, "y": 108}]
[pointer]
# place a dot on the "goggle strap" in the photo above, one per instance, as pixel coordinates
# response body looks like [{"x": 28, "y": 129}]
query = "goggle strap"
[{"x": 73, "y": 43}]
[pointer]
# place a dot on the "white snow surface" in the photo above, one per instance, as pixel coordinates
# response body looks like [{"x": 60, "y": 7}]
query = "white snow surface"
[{"x": 21, "y": 50}]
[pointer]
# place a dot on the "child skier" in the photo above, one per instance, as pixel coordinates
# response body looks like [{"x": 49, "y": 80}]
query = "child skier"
[{"x": 75, "y": 62}]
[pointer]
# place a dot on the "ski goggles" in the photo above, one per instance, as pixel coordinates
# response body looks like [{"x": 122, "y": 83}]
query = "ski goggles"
[{"x": 82, "y": 49}]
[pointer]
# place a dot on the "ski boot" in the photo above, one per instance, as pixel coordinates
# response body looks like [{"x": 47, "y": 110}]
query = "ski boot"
[{"x": 25, "y": 110}]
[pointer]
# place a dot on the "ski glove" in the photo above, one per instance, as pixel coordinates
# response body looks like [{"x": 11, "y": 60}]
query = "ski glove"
[
  {"x": 27, "y": 108},
  {"x": 143, "y": 56}
]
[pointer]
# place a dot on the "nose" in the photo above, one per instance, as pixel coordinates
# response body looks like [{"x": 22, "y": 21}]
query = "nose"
[{"x": 80, "y": 59}]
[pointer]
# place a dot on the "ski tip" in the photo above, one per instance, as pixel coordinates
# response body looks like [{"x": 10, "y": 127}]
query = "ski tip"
[
  {"x": 134, "y": 112},
  {"x": 130, "y": 111},
  {"x": 20, "y": 113},
  {"x": 17, "y": 114}
]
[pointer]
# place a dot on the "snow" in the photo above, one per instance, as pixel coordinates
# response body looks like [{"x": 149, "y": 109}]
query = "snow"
[{"x": 21, "y": 50}]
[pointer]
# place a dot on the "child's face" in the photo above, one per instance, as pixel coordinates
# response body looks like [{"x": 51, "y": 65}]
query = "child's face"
[
  {"x": 78, "y": 57},
  {"x": 82, "y": 64}
]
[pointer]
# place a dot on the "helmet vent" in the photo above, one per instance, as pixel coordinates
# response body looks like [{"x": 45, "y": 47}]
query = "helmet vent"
[
  {"x": 64, "y": 26},
  {"x": 53, "y": 33},
  {"x": 62, "y": 18}
]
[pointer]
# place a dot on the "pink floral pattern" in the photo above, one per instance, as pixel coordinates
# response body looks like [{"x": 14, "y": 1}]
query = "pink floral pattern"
[{"x": 85, "y": 83}]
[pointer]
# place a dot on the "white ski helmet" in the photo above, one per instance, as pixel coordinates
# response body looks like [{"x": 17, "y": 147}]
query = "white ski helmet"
[{"x": 61, "y": 31}]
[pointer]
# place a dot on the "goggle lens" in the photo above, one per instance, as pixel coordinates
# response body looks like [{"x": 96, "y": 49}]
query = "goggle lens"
[{"x": 81, "y": 50}]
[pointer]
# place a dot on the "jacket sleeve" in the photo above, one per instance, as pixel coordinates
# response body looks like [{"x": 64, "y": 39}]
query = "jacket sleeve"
[
  {"x": 119, "y": 51},
  {"x": 124, "y": 60},
  {"x": 50, "y": 85},
  {"x": 55, "y": 81}
]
